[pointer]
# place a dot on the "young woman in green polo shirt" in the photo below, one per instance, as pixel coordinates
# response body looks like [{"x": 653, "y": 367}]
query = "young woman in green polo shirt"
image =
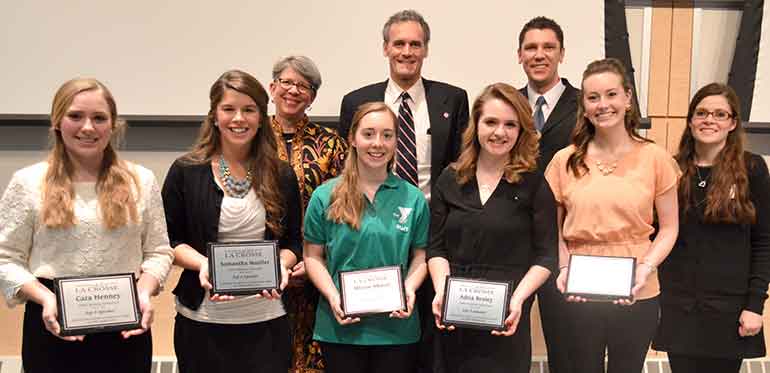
[{"x": 367, "y": 218}]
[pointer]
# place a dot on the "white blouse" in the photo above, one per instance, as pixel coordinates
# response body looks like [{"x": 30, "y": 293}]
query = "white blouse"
[
  {"x": 240, "y": 219},
  {"x": 29, "y": 249}
]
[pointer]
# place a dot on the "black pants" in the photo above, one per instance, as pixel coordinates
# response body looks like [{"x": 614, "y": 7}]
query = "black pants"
[
  {"x": 471, "y": 350},
  {"x": 552, "y": 307},
  {"x": 345, "y": 358},
  {"x": 429, "y": 347},
  {"x": 692, "y": 364},
  {"x": 624, "y": 332},
  {"x": 42, "y": 352},
  {"x": 206, "y": 348}
]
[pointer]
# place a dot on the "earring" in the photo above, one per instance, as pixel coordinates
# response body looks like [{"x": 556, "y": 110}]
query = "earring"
[
  {"x": 309, "y": 108},
  {"x": 215, "y": 124}
]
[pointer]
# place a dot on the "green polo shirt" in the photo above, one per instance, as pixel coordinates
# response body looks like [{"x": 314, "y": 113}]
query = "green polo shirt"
[{"x": 391, "y": 227}]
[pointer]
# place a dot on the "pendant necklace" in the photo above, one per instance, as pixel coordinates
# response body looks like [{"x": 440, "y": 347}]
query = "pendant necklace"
[
  {"x": 606, "y": 169},
  {"x": 701, "y": 181}
]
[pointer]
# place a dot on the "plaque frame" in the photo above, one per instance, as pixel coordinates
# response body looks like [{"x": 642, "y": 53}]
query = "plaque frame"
[
  {"x": 345, "y": 276},
  {"x": 211, "y": 249},
  {"x": 470, "y": 324},
  {"x": 600, "y": 297},
  {"x": 60, "y": 285}
]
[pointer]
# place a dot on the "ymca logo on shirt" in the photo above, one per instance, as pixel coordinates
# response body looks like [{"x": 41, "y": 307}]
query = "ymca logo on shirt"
[{"x": 402, "y": 215}]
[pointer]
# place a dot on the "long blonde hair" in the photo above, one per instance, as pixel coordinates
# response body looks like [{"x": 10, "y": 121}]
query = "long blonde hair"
[
  {"x": 117, "y": 185},
  {"x": 263, "y": 152},
  {"x": 523, "y": 155},
  {"x": 347, "y": 202}
]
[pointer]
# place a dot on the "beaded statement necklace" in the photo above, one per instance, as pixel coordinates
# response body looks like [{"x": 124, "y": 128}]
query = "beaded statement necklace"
[{"x": 235, "y": 188}]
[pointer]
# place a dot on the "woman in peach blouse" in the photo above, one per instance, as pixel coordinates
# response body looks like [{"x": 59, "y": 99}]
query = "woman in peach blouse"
[{"x": 606, "y": 185}]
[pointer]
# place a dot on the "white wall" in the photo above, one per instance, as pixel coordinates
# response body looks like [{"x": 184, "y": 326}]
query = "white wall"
[{"x": 160, "y": 57}]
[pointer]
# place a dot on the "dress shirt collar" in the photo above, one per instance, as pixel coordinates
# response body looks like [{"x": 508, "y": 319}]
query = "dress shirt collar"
[
  {"x": 393, "y": 92},
  {"x": 551, "y": 96}
]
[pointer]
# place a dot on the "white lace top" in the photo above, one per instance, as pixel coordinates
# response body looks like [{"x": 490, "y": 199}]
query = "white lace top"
[{"x": 28, "y": 249}]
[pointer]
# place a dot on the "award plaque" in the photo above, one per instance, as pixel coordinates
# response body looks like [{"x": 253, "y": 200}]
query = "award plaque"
[
  {"x": 601, "y": 278},
  {"x": 244, "y": 268},
  {"x": 372, "y": 291},
  {"x": 93, "y": 304},
  {"x": 476, "y": 304}
]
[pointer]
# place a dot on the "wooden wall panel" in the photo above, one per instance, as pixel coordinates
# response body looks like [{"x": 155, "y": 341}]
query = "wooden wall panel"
[
  {"x": 660, "y": 62},
  {"x": 681, "y": 62}
]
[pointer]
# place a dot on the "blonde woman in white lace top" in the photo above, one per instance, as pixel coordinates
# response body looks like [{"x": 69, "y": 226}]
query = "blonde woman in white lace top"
[{"x": 82, "y": 212}]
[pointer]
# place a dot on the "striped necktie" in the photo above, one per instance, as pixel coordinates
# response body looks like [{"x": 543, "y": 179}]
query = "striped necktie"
[{"x": 406, "y": 150}]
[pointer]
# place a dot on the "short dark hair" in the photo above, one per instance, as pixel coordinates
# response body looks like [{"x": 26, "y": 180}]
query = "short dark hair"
[
  {"x": 542, "y": 23},
  {"x": 407, "y": 15}
]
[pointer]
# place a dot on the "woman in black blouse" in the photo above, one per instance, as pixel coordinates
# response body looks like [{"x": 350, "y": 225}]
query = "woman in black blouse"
[
  {"x": 493, "y": 217},
  {"x": 714, "y": 283}
]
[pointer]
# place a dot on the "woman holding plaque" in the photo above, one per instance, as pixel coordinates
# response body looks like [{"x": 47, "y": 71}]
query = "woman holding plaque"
[
  {"x": 714, "y": 283},
  {"x": 493, "y": 217},
  {"x": 231, "y": 187},
  {"x": 607, "y": 184},
  {"x": 316, "y": 153},
  {"x": 82, "y": 212},
  {"x": 367, "y": 218}
]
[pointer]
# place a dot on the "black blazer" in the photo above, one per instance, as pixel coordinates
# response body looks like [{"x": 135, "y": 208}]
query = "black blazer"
[
  {"x": 193, "y": 202},
  {"x": 447, "y": 109},
  {"x": 557, "y": 130}
]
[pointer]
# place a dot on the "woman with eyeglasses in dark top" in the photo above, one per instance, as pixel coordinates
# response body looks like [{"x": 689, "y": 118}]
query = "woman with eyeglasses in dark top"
[{"x": 714, "y": 283}]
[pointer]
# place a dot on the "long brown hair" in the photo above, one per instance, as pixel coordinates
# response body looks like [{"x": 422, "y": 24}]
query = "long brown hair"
[
  {"x": 114, "y": 184},
  {"x": 523, "y": 155},
  {"x": 584, "y": 130},
  {"x": 727, "y": 196},
  {"x": 263, "y": 153},
  {"x": 346, "y": 204}
]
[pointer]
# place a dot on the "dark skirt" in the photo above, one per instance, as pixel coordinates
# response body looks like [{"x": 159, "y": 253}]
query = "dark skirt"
[
  {"x": 701, "y": 333},
  {"x": 471, "y": 350},
  {"x": 258, "y": 347},
  {"x": 42, "y": 352}
]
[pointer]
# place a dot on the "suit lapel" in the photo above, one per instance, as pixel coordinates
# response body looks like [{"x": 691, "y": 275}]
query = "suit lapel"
[{"x": 439, "y": 115}]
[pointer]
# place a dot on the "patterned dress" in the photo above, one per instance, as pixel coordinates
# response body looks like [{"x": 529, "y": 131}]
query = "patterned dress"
[{"x": 316, "y": 154}]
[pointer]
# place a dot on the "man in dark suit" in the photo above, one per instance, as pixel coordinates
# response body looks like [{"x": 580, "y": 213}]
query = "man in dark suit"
[
  {"x": 554, "y": 108},
  {"x": 439, "y": 112}
]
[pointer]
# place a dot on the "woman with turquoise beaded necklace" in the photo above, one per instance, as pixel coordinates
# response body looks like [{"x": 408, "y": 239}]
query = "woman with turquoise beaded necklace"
[{"x": 231, "y": 187}]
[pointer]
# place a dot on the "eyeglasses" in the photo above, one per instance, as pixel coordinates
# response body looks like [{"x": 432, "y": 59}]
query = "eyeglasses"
[
  {"x": 287, "y": 84},
  {"x": 719, "y": 115}
]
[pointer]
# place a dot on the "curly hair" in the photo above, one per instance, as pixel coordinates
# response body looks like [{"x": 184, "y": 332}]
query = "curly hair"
[{"x": 523, "y": 155}]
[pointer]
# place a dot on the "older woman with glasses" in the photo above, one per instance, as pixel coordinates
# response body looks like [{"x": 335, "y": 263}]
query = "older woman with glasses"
[{"x": 317, "y": 154}]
